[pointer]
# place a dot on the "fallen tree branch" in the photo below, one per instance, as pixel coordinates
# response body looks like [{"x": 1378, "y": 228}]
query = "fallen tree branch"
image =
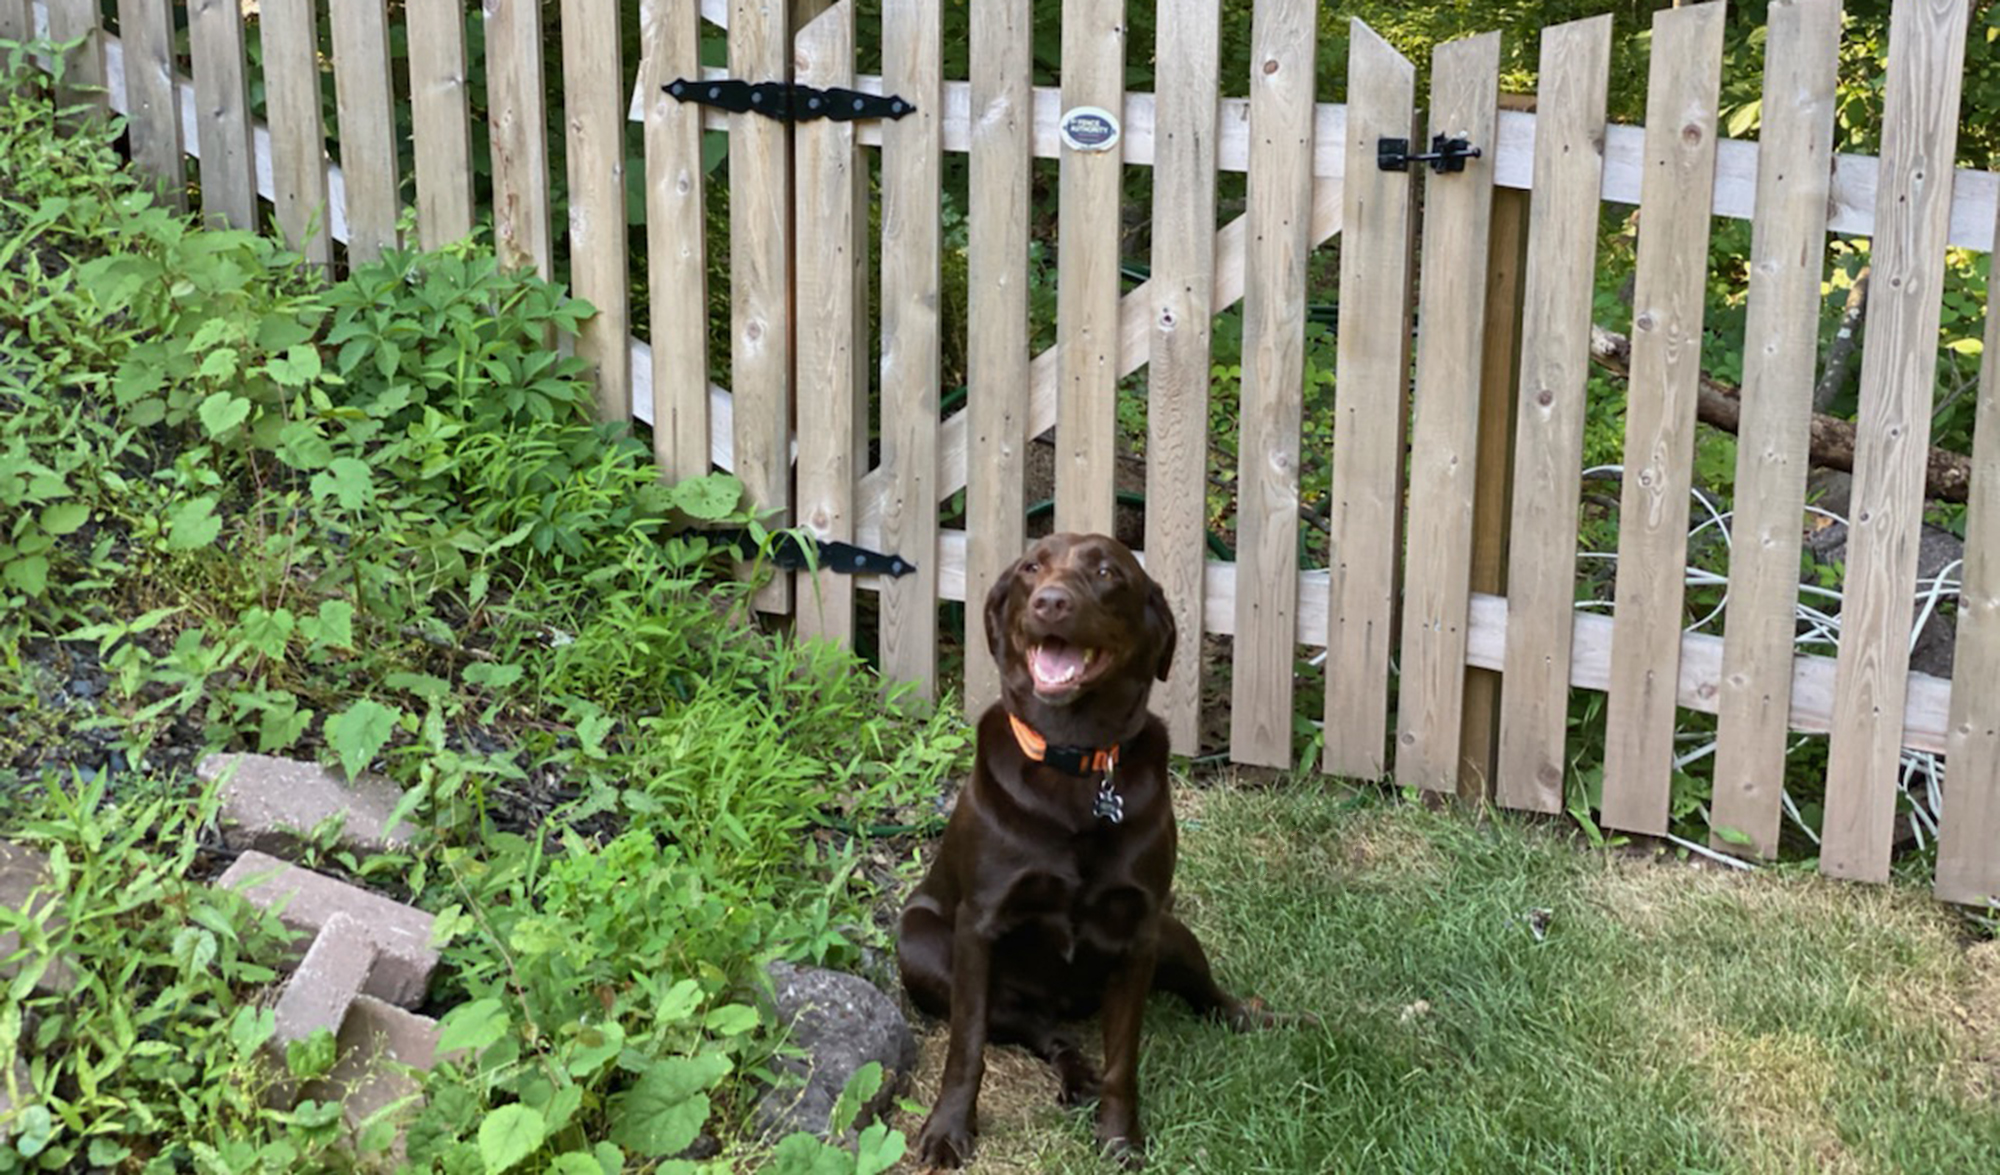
[
  {"x": 1845, "y": 346},
  {"x": 1947, "y": 475}
]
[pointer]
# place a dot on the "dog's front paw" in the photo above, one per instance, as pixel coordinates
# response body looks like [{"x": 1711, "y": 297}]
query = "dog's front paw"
[
  {"x": 945, "y": 1140},
  {"x": 1118, "y": 1137}
]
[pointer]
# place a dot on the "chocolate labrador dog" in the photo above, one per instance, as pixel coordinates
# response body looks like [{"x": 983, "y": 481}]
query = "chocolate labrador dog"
[{"x": 1051, "y": 896}]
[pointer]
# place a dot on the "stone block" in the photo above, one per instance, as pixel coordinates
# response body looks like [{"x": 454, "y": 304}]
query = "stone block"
[
  {"x": 402, "y": 934},
  {"x": 377, "y": 1040},
  {"x": 272, "y": 804},
  {"x": 22, "y": 869}
]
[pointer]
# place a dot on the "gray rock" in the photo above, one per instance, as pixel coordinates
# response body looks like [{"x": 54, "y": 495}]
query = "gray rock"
[{"x": 838, "y": 1022}]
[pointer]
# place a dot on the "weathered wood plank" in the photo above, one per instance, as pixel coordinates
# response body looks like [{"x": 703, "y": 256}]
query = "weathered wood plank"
[
  {"x": 1183, "y": 277},
  {"x": 676, "y": 243},
  {"x": 1283, "y": 48},
  {"x": 228, "y": 170},
  {"x": 153, "y": 106},
  {"x": 1093, "y": 72},
  {"x": 290, "y": 32},
  {"x": 1444, "y": 435},
  {"x": 1369, "y": 404},
  {"x": 1898, "y": 364},
  {"x": 1968, "y": 865},
  {"x": 1548, "y": 445},
  {"x": 84, "y": 76},
  {"x": 441, "y": 120},
  {"x": 1002, "y": 57},
  {"x": 365, "y": 91},
  {"x": 912, "y": 66},
  {"x": 593, "y": 75},
  {"x": 517, "y": 122},
  {"x": 828, "y": 396},
  {"x": 1668, "y": 302},
  {"x": 1787, "y": 261},
  {"x": 760, "y": 310}
]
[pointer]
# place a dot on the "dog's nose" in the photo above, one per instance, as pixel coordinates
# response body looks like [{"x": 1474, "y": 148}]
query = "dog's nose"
[{"x": 1052, "y": 603}]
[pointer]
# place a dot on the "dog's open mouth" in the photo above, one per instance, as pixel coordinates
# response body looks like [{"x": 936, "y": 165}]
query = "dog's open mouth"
[{"x": 1059, "y": 667}]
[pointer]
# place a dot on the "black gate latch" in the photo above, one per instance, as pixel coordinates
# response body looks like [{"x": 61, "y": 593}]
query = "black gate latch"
[
  {"x": 1445, "y": 155},
  {"x": 788, "y": 101}
]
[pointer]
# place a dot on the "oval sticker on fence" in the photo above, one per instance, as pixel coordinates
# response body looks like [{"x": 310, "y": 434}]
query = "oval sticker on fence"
[{"x": 1089, "y": 128}]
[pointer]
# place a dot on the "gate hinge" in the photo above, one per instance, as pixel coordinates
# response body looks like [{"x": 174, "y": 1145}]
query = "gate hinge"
[
  {"x": 788, "y": 101},
  {"x": 1445, "y": 155}
]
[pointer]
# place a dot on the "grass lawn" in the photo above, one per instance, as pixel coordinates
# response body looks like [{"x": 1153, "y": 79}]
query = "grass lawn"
[{"x": 1674, "y": 1018}]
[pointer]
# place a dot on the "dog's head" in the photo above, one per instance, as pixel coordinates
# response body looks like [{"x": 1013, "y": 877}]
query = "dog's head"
[{"x": 1075, "y": 613}]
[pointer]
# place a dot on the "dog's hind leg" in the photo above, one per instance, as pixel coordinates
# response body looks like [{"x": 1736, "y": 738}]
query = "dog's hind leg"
[{"x": 1183, "y": 970}]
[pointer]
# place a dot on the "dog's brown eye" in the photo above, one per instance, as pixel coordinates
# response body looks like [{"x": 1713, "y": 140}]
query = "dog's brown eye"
[
  {"x": 1104, "y": 571},
  {"x": 1031, "y": 568}
]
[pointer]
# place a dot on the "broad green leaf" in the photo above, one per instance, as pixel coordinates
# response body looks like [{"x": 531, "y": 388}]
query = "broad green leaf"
[
  {"x": 474, "y": 1027},
  {"x": 250, "y": 1028},
  {"x": 1733, "y": 836},
  {"x": 334, "y": 626},
  {"x": 193, "y": 525},
  {"x": 268, "y": 632},
  {"x": 576, "y": 1163},
  {"x": 30, "y": 574},
  {"x": 301, "y": 446},
  {"x": 737, "y": 1019},
  {"x": 32, "y": 1131},
  {"x": 802, "y": 1154},
  {"x": 65, "y": 517},
  {"x": 348, "y": 480},
  {"x": 665, "y": 1110},
  {"x": 222, "y": 412},
  {"x": 492, "y": 675},
  {"x": 509, "y": 1134},
  {"x": 710, "y": 498},
  {"x": 421, "y": 684},
  {"x": 595, "y": 1045},
  {"x": 297, "y": 367},
  {"x": 219, "y": 364},
  {"x": 854, "y": 1095},
  {"x": 879, "y": 1148},
  {"x": 679, "y": 1003},
  {"x": 359, "y": 733}
]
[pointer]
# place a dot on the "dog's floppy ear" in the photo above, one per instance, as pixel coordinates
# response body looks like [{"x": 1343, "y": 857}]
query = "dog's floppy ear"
[
  {"x": 996, "y": 609},
  {"x": 1160, "y": 627}
]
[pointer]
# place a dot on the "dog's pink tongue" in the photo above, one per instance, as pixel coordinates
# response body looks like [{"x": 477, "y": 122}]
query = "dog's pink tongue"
[{"x": 1056, "y": 662}]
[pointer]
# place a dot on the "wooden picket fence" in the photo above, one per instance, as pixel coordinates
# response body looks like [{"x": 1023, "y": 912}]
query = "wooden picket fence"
[{"x": 1456, "y": 463}]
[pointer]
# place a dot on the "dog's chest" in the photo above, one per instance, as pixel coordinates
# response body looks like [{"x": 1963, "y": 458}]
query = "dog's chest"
[{"x": 1085, "y": 901}]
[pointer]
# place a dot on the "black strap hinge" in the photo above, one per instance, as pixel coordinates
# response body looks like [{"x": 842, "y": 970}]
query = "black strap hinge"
[
  {"x": 1445, "y": 155},
  {"x": 788, "y": 101},
  {"x": 789, "y": 552}
]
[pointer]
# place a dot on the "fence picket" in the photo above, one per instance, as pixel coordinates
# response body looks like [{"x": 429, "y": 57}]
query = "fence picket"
[
  {"x": 676, "y": 239},
  {"x": 1283, "y": 44},
  {"x": 912, "y": 68},
  {"x": 228, "y": 170},
  {"x": 517, "y": 120},
  {"x": 1548, "y": 445},
  {"x": 594, "y": 117},
  {"x": 1668, "y": 301},
  {"x": 829, "y": 395},
  {"x": 1183, "y": 278},
  {"x": 1372, "y": 373},
  {"x": 760, "y": 326},
  {"x": 1093, "y": 72},
  {"x": 1781, "y": 340},
  {"x": 153, "y": 117},
  {"x": 290, "y": 31},
  {"x": 365, "y": 91},
  {"x": 1002, "y": 62},
  {"x": 1893, "y": 434},
  {"x": 1444, "y": 442},
  {"x": 441, "y": 123},
  {"x": 1968, "y": 868},
  {"x": 17, "y": 20},
  {"x": 84, "y": 79}
]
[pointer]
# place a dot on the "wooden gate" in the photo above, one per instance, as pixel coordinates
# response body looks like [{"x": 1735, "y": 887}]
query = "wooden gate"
[{"x": 1445, "y": 617}]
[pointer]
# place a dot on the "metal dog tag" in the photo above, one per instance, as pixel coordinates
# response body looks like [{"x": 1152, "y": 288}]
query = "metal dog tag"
[{"x": 1110, "y": 805}]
